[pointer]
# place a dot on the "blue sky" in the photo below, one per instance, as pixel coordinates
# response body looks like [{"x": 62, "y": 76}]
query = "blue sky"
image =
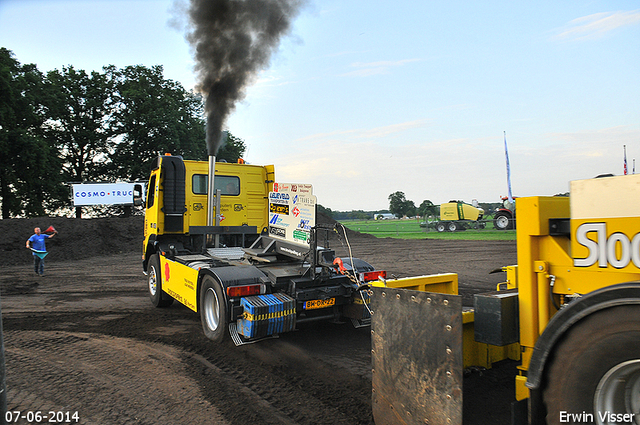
[{"x": 364, "y": 99}]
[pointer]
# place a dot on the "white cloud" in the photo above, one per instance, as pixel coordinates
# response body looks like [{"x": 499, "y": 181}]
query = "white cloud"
[{"x": 597, "y": 25}]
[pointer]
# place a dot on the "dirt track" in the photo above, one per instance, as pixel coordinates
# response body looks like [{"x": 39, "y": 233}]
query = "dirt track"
[{"x": 86, "y": 338}]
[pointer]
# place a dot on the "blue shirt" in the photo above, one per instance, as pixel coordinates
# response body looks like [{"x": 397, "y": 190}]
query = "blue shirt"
[{"x": 37, "y": 242}]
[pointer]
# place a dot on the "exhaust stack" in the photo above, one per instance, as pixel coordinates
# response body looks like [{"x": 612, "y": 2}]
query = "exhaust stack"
[{"x": 211, "y": 191}]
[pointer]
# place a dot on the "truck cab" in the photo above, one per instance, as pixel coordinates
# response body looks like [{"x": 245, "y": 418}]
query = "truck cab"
[{"x": 177, "y": 203}]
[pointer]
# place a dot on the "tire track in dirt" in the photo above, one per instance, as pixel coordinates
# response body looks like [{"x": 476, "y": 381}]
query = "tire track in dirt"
[{"x": 107, "y": 380}]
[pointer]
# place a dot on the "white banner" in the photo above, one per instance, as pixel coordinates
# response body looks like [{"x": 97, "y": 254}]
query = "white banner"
[
  {"x": 292, "y": 212},
  {"x": 103, "y": 194}
]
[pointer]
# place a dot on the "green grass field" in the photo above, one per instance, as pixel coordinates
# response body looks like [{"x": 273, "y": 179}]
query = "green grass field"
[{"x": 410, "y": 229}]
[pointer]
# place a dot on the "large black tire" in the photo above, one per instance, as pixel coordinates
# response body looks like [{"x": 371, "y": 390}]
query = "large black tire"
[
  {"x": 154, "y": 280},
  {"x": 440, "y": 227},
  {"x": 213, "y": 310},
  {"x": 502, "y": 221},
  {"x": 595, "y": 369},
  {"x": 453, "y": 226}
]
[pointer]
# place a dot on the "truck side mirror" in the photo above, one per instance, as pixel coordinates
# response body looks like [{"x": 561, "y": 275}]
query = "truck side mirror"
[{"x": 137, "y": 195}]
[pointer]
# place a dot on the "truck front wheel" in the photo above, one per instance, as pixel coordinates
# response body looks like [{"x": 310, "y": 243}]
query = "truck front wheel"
[
  {"x": 154, "y": 276},
  {"x": 213, "y": 310},
  {"x": 595, "y": 369}
]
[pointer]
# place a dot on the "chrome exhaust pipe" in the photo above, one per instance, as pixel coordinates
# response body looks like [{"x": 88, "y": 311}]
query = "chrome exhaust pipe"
[{"x": 210, "y": 191}]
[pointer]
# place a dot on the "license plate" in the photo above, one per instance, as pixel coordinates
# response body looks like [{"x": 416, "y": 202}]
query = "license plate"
[{"x": 310, "y": 305}]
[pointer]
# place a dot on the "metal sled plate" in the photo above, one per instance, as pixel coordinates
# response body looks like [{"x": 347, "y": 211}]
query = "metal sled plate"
[{"x": 416, "y": 356}]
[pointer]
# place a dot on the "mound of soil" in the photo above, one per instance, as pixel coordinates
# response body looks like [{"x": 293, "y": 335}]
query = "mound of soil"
[
  {"x": 87, "y": 238},
  {"x": 76, "y": 238}
]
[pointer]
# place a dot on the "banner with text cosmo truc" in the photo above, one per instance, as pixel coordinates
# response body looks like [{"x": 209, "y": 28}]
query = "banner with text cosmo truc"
[
  {"x": 103, "y": 194},
  {"x": 292, "y": 212}
]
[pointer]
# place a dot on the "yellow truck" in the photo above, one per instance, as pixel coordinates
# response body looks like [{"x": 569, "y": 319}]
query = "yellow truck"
[
  {"x": 244, "y": 251},
  {"x": 571, "y": 309}
]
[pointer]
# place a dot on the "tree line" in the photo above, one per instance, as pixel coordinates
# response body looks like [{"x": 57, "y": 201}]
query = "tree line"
[{"x": 71, "y": 126}]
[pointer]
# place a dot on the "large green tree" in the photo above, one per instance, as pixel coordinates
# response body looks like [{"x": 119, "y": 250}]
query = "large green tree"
[
  {"x": 74, "y": 126},
  {"x": 153, "y": 116},
  {"x": 400, "y": 206},
  {"x": 80, "y": 121},
  {"x": 30, "y": 173}
]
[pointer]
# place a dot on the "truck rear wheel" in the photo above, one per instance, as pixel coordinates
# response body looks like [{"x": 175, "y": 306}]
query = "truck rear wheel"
[
  {"x": 595, "y": 369},
  {"x": 213, "y": 310},
  {"x": 154, "y": 276},
  {"x": 453, "y": 226},
  {"x": 440, "y": 227}
]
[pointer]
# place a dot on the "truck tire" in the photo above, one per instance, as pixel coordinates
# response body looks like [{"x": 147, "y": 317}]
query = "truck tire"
[
  {"x": 595, "y": 369},
  {"x": 440, "y": 227},
  {"x": 154, "y": 276},
  {"x": 502, "y": 221},
  {"x": 213, "y": 310},
  {"x": 453, "y": 226}
]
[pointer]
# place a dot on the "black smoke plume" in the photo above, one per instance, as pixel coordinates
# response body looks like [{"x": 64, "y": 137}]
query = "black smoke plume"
[{"x": 233, "y": 40}]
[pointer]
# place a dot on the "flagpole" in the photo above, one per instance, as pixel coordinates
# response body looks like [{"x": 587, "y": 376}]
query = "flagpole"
[{"x": 506, "y": 154}]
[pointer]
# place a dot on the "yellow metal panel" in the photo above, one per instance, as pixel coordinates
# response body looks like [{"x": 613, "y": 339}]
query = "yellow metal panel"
[
  {"x": 446, "y": 283},
  {"x": 180, "y": 281},
  {"x": 533, "y": 214},
  {"x": 522, "y": 392}
]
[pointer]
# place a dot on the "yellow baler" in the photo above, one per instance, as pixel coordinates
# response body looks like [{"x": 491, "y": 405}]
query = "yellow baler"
[{"x": 456, "y": 216}]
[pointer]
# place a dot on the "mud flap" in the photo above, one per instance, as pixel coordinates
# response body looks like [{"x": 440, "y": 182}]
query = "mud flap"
[{"x": 416, "y": 356}]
